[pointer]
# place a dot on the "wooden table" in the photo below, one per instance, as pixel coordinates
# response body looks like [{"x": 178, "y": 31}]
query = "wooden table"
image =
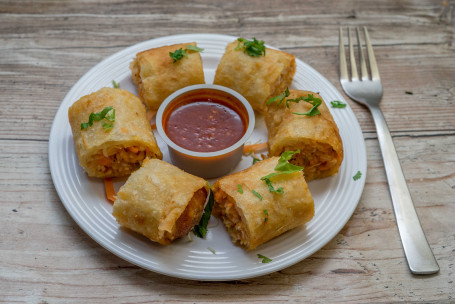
[{"x": 46, "y": 46}]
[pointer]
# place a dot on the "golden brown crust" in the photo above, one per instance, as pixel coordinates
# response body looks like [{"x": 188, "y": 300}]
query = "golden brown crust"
[
  {"x": 317, "y": 137},
  {"x": 157, "y": 76},
  {"x": 256, "y": 78},
  {"x": 122, "y": 149},
  {"x": 243, "y": 213},
  {"x": 160, "y": 201}
]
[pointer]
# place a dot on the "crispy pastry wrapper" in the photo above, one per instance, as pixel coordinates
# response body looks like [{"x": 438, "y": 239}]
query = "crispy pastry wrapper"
[
  {"x": 161, "y": 201},
  {"x": 317, "y": 137},
  {"x": 256, "y": 78},
  {"x": 251, "y": 221},
  {"x": 157, "y": 76},
  {"x": 121, "y": 150}
]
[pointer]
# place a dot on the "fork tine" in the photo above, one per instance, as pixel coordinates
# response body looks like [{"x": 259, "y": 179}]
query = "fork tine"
[
  {"x": 363, "y": 65},
  {"x": 371, "y": 57},
  {"x": 354, "y": 74},
  {"x": 342, "y": 54}
]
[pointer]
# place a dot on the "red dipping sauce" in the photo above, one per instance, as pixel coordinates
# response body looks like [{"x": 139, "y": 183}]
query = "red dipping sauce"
[{"x": 208, "y": 122}]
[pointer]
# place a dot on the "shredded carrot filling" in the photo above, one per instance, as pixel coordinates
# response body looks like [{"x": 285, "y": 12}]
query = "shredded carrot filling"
[
  {"x": 254, "y": 148},
  {"x": 109, "y": 189}
]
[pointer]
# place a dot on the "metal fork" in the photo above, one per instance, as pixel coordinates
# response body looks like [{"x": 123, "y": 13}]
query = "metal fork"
[{"x": 368, "y": 91}]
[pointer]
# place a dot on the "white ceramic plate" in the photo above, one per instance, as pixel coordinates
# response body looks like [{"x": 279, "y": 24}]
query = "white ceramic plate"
[{"x": 335, "y": 198}]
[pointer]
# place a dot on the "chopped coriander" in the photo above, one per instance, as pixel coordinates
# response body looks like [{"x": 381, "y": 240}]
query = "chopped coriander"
[
  {"x": 337, "y": 104},
  {"x": 316, "y": 102},
  {"x": 212, "y": 250},
  {"x": 107, "y": 125},
  {"x": 266, "y": 215},
  {"x": 254, "y": 48},
  {"x": 279, "y": 99},
  {"x": 257, "y": 194},
  {"x": 180, "y": 53},
  {"x": 271, "y": 188},
  {"x": 239, "y": 189},
  {"x": 115, "y": 84},
  {"x": 107, "y": 113},
  {"x": 194, "y": 48},
  {"x": 255, "y": 160},
  {"x": 200, "y": 229},
  {"x": 357, "y": 176},
  {"x": 283, "y": 167},
  {"x": 264, "y": 258}
]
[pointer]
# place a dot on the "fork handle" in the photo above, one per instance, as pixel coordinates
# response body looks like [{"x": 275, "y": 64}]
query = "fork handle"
[{"x": 417, "y": 250}]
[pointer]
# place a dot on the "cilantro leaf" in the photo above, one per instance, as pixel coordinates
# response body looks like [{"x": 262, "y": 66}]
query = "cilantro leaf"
[
  {"x": 200, "y": 229},
  {"x": 279, "y": 99},
  {"x": 107, "y": 113},
  {"x": 254, "y": 48},
  {"x": 283, "y": 167},
  {"x": 316, "y": 102},
  {"x": 337, "y": 104},
  {"x": 178, "y": 54},
  {"x": 194, "y": 48},
  {"x": 115, "y": 84},
  {"x": 357, "y": 176},
  {"x": 264, "y": 258},
  {"x": 257, "y": 194},
  {"x": 107, "y": 125},
  {"x": 271, "y": 188},
  {"x": 255, "y": 160},
  {"x": 239, "y": 189}
]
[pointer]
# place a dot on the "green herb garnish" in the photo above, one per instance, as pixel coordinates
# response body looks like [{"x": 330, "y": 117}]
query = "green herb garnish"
[
  {"x": 200, "y": 229},
  {"x": 194, "y": 48},
  {"x": 257, "y": 194},
  {"x": 239, "y": 189},
  {"x": 115, "y": 84},
  {"x": 254, "y": 48},
  {"x": 180, "y": 53},
  {"x": 357, "y": 176},
  {"x": 211, "y": 250},
  {"x": 108, "y": 113},
  {"x": 255, "y": 160},
  {"x": 316, "y": 102},
  {"x": 283, "y": 167},
  {"x": 271, "y": 188},
  {"x": 266, "y": 215},
  {"x": 337, "y": 104},
  {"x": 264, "y": 258},
  {"x": 279, "y": 99}
]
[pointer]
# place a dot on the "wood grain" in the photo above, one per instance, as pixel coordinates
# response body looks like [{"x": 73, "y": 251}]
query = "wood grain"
[{"x": 46, "y": 46}]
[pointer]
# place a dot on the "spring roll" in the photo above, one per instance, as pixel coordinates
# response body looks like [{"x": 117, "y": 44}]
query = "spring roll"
[
  {"x": 116, "y": 147},
  {"x": 256, "y": 78},
  {"x": 160, "y": 201},
  {"x": 157, "y": 76},
  {"x": 253, "y": 218},
  {"x": 317, "y": 137}
]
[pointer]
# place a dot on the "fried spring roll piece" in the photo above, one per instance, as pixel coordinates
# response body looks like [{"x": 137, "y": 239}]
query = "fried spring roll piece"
[
  {"x": 157, "y": 76},
  {"x": 161, "y": 201},
  {"x": 256, "y": 78},
  {"x": 317, "y": 137},
  {"x": 253, "y": 218},
  {"x": 118, "y": 150}
]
